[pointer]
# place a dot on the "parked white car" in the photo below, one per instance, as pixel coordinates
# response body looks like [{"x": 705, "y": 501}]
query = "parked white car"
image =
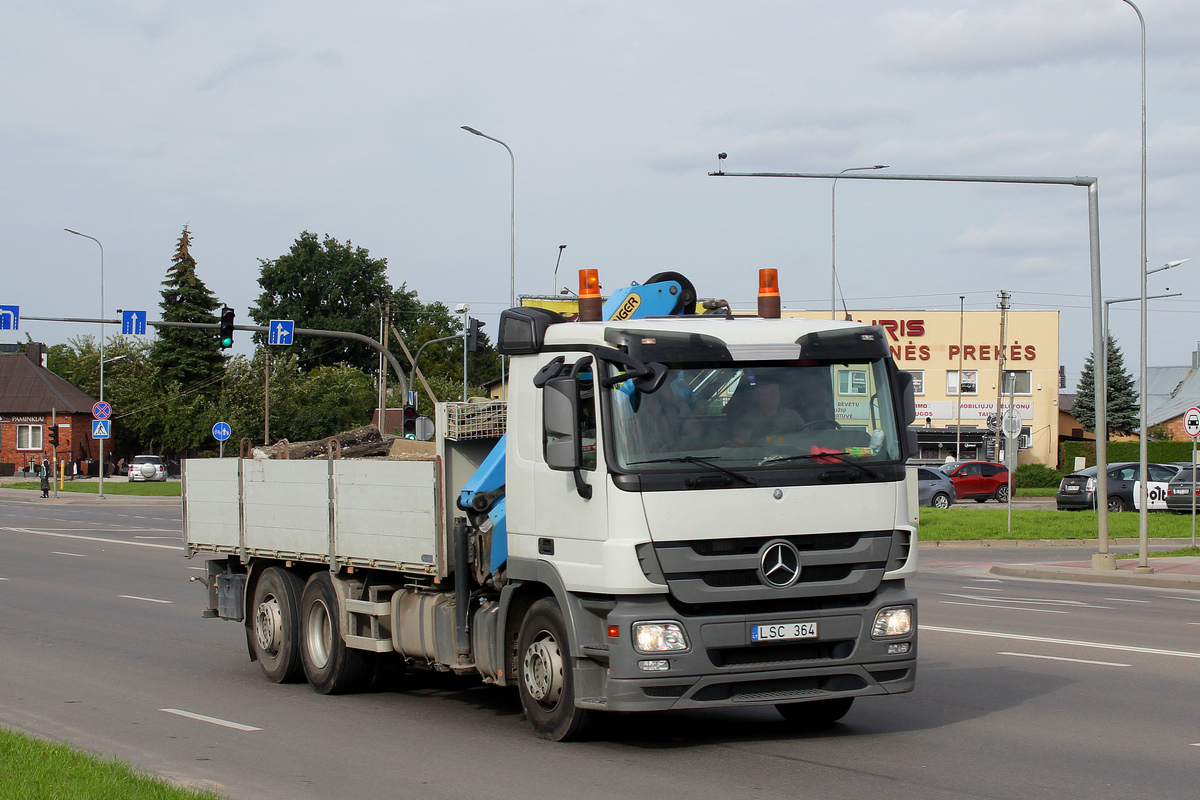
[{"x": 147, "y": 468}]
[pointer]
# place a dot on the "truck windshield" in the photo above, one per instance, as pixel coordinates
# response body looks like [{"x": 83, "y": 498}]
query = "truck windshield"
[{"x": 767, "y": 415}]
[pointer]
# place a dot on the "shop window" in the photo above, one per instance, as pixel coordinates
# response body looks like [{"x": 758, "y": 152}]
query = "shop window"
[
  {"x": 969, "y": 384},
  {"x": 852, "y": 382},
  {"x": 1018, "y": 382},
  {"x": 918, "y": 376},
  {"x": 29, "y": 437}
]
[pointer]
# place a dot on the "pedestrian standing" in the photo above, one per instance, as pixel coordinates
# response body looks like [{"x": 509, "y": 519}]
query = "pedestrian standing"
[{"x": 45, "y": 484}]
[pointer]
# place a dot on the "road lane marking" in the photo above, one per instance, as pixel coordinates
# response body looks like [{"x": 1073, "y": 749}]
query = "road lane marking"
[
  {"x": 1123, "y": 600},
  {"x": 61, "y": 553},
  {"x": 982, "y": 589},
  {"x": 146, "y": 599},
  {"x": 1009, "y": 608},
  {"x": 1031, "y": 600},
  {"x": 92, "y": 539},
  {"x": 1189, "y": 599},
  {"x": 1060, "y": 658},
  {"x": 987, "y": 580},
  {"x": 173, "y": 538},
  {"x": 237, "y": 726},
  {"x": 1126, "y": 648}
]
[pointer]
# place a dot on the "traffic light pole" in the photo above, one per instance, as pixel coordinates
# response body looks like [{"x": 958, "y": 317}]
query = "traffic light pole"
[{"x": 216, "y": 326}]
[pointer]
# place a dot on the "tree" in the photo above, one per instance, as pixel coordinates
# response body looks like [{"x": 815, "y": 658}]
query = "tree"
[
  {"x": 327, "y": 285},
  {"x": 1121, "y": 402},
  {"x": 191, "y": 358}
]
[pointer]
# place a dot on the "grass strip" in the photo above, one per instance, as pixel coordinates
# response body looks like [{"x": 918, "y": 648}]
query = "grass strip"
[
  {"x": 951, "y": 524},
  {"x": 32, "y": 769},
  {"x": 1180, "y": 553},
  {"x": 111, "y": 486}
]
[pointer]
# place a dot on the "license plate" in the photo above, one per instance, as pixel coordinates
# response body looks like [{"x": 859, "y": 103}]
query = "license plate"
[
  {"x": 783, "y": 630},
  {"x": 1071, "y": 489}
]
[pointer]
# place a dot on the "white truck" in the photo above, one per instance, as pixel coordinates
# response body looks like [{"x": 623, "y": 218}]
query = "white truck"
[{"x": 694, "y": 511}]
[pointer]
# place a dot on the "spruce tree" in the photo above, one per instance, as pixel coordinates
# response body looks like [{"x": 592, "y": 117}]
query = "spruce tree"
[
  {"x": 1121, "y": 402},
  {"x": 188, "y": 357}
]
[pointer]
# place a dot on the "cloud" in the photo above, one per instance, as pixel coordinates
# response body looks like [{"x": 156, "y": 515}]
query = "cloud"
[
  {"x": 1009, "y": 34},
  {"x": 253, "y": 60},
  {"x": 1017, "y": 234}
]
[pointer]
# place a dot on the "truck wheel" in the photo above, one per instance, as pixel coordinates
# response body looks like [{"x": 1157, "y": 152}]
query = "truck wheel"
[
  {"x": 276, "y": 623},
  {"x": 816, "y": 714},
  {"x": 331, "y": 666},
  {"x": 546, "y": 679}
]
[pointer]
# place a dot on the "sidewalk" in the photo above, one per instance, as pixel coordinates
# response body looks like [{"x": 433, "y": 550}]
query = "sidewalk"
[
  {"x": 35, "y": 496},
  {"x": 1169, "y": 573}
]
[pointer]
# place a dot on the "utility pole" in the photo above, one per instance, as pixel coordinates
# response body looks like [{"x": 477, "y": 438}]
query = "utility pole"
[{"x": 1004, "y": 297}]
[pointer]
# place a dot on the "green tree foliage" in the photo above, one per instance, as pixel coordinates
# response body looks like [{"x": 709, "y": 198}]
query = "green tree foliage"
[
  {"x": 187, "y": 357},
  {"x": 1122, "y": 400},
  {"x": 326, "y": 285}
]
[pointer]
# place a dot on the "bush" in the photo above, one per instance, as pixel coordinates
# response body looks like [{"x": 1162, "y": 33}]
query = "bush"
[
  {"x": 1036, "y": 476},
  {"x": 1159, "y": 452}
]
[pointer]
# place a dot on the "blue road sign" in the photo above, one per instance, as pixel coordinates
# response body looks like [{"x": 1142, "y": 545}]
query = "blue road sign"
[
  {"x": 281, "y": 331},
  {"x": 221, "y": 431},
  {"x": 101, "y": 429},
  {"x": 102, "y": 410},
  {"x": 133, "y": 323},
  {"x": 10, "y": 318}
]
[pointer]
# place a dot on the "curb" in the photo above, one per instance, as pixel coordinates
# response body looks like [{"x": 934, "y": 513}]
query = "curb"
[
  {"x": 1088, "y": 575},
  {"x": 1044, "y": 542},
  {"x": 73, "y": 498}
]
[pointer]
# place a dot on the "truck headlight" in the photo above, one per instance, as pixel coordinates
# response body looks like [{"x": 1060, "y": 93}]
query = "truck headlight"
[
  {"x": 659, "y": 637},
  {"x": 894, "y": 621}
]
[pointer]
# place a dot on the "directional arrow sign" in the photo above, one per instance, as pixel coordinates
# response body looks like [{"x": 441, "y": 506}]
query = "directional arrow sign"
[
  {"x": 1191, "y": 422},
  {"x": 133, "y": 323},
  {"x": 281, "y": 331},
  {"x": 101, "y": 429},
  {"x": 10, "y": 318},
  {"x": 221, "y": 431}
]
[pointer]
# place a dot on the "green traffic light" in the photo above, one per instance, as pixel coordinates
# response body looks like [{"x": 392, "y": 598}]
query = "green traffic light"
[{"x": 227, "y": 342}]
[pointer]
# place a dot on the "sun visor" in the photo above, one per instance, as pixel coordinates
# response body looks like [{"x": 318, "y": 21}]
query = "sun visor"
[
  {"x": 846, "y": 344},
  {"x": 669, "y": 346}
]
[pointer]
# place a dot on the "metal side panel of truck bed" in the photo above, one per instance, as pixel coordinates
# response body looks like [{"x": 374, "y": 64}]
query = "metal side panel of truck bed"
[{"x": 365, "y": 513}]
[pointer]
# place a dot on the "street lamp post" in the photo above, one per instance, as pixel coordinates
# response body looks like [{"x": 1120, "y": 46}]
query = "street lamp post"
[
  {"x": 557, "y": 261},
  {"x": 833, "y": 237},
  {"x": 100, "y": 493},
  {"x": 512, "y": 240}
]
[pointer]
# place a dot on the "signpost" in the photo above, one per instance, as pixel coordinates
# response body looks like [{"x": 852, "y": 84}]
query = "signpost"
[
  {"x": 10, "y": 318},
  {"x": 1010, "y": 426},
  {"x": 280, "y": 332},
  {"x": 1191, "y": 424},
  {"x": 221, "y": 431},
  {"x": 101, "y": 429},
  {"x": 133, "y": 323},
  {"x": 101, "y": 410}
]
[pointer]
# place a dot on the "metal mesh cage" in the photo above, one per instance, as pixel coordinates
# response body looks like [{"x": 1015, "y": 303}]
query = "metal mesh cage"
[{"x": 476, "y": 420}]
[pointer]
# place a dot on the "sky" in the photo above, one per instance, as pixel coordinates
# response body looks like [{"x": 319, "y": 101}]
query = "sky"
[{"x": 253, "y": 122}]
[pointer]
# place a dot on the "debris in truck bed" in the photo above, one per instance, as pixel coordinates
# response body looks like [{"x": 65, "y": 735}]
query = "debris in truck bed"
[{"x": 358, "y": 443}]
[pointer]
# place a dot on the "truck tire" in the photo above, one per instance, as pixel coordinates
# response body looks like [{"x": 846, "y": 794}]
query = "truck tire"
[
  {"x": 816, "y": 714},
  {"x": 545, "y": 678},
  {"x": 331, "y": 666},
  {"x": 275, "y": 615}
]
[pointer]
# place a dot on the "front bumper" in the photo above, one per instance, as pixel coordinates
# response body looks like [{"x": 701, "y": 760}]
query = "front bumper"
[{"x": 723, "y": 668}]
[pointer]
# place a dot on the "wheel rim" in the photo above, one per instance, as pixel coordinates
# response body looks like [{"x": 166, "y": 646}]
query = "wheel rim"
[
  {"x": 941, "y": 501},
  {"x": 319, "y": 638},
  {"x": 1002, "y": 494},
  {"x": 543, "y": 669},
  {"x": 1115, "y": 504},
  {"x": 268, "y": 625}
]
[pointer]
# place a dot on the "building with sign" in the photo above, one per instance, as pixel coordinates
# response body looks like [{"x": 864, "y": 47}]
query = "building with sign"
[
  {"x": 955, "y": 360},
  {"x": 31, "y": 398}
]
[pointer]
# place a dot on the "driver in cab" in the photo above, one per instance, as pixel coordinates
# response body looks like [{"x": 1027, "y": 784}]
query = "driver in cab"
[{"x": 762, "y": 419}]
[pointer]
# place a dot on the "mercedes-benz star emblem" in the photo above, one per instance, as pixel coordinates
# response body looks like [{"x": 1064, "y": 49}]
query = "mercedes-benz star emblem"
[{"x": 779, "y": 564}]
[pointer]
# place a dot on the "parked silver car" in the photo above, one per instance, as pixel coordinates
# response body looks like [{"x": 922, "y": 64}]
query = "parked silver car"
[
  {"x": 934, "y": 488},
  {"x": 147, "y": 468}
]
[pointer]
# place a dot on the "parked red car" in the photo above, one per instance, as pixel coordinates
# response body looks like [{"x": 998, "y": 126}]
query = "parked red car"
[{"x": 979, "y": 480}]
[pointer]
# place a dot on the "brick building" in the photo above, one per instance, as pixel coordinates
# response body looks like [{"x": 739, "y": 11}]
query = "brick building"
[{"x": 30, "y": 395}]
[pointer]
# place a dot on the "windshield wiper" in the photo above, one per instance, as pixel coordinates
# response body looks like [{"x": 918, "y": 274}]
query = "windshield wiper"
[
  {"x": 840, "y": 455},
  {"x": 702, "y": 462}
]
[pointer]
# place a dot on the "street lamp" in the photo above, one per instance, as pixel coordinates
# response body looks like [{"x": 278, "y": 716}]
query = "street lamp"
[
  {"x": 558, "y": 261},
  {"x": 833, "y": 238},
  {"x": 100, "y": 493},
  {"x": 464, "y": 309}
]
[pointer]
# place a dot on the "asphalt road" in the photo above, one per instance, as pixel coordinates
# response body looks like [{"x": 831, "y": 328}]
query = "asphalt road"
[{"x": 1026, "y": 689}]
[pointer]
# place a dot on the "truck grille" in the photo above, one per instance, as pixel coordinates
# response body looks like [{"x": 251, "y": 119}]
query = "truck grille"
[{"x": 728, "y": 570}]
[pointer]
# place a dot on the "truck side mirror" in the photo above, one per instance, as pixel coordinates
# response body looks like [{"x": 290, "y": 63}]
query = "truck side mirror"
[
  {"x": 908, "y": 397},
  {"x": 561, "y": 443}
]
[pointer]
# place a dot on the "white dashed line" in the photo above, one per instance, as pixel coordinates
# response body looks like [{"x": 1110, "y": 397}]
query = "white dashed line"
[
  {"x": 1070, "y": 642},
  {"x": 237, "y": 726},
  {"x": 1007, "y": 608},
  {"x": 61, "y": 553},
  {"x": 1123, "y": 600},
  {"x": 93, "y": 539},
  {"x": 146, "y": 599},
  {"x": 1060, "y": 658}
]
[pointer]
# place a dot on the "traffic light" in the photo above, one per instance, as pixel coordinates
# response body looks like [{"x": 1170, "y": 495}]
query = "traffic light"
[
  {"x": 410, "y": 421},
  {"x": 53, "y": 436},
  {"x": 227, "y": 315},
  {"x": 473, "y": 326}
]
